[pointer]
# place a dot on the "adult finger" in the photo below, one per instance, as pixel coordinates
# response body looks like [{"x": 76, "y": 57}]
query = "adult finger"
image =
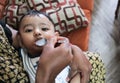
[
  {"x": 64, "y": 42},
  {"x": 51, "y": 43}
]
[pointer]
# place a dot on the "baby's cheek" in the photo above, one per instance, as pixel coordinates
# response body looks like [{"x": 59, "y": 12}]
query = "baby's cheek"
[{"x": 50, "y": 36}]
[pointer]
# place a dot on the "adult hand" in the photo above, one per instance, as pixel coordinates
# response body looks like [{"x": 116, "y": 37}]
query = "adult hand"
[
  {"x": 80, "y": 64},
  {"x": 53, "y": 60}
]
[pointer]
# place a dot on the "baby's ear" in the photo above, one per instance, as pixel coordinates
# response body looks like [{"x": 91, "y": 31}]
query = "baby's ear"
[
  {"x": 19, "y": 40},
  {"x": 15, "y": 42}
]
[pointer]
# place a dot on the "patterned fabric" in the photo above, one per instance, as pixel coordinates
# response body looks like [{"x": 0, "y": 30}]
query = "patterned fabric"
[
  {"x": 67, "y": 15},
  {"x": 98, "y": 68},
  {"x": 11, "y": 67},
  {"x": 13, "y": 11}
]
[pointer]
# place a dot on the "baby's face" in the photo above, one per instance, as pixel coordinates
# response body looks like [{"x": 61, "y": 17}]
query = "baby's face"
[{"x": 34, "y": 28}]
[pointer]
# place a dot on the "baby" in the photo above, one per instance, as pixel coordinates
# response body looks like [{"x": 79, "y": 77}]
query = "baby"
[{"x": 35, "y": 29}]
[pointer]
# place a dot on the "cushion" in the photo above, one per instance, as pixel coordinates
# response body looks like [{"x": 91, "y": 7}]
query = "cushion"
[
  {"x": 13, "y": 11},
  {"x": 80, "y": 37},
  {"x": 67, "y": 15}
]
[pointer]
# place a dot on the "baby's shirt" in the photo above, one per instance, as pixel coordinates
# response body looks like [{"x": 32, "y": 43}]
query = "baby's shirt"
[{"x": 30, "y": 65}]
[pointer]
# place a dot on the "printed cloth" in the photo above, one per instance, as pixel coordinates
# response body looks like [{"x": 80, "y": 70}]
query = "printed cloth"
[
  {"x": 98, "y": 67},
  {"x": 11, "y": 67}
]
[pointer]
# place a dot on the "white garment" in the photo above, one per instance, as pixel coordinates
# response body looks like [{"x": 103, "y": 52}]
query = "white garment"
[{"x": 29, "y": 64}]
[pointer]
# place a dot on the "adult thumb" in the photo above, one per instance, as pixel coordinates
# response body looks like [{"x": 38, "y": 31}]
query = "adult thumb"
[{"x": 51, "y": 42}]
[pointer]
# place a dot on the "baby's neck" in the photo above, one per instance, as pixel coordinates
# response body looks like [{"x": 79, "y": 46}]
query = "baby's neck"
[{"x": 34, "y": 55}]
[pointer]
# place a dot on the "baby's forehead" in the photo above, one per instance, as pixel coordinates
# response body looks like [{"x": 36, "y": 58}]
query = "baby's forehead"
[
  {"x": 39, "y": 16},
  {"x": 42, "y": 16}
]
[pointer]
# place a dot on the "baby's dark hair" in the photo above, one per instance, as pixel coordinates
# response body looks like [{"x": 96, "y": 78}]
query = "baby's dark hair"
[{"x": 34, "y": 13}]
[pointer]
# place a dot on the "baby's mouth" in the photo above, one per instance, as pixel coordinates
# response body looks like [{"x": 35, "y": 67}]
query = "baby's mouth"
[{"x": 41, "y": 42}]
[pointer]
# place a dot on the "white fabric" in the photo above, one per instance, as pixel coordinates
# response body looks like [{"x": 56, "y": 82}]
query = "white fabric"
[{"x": 29, "y": 67}]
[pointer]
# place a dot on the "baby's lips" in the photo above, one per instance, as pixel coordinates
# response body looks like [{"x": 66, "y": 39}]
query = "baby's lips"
[{"x": 41, "y": 42}]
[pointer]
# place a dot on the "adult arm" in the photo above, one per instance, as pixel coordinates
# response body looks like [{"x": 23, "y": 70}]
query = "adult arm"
[
  {"x": 80, "y": 65},
  {"x": 53, "y": 60}
]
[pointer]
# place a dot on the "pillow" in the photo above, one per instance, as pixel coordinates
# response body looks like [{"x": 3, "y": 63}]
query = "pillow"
[
  {"x": 13, "y": 12},
  {"x": 67, "y": 15}
]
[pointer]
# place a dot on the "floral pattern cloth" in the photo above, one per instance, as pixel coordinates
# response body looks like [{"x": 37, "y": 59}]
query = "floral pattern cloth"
[
  {"x": 11, "y": 67},
  {"x": 98, "y": 68}
]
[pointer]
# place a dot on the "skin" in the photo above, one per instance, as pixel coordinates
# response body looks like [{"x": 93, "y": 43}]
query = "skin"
[{"x": 34, "y": 28}]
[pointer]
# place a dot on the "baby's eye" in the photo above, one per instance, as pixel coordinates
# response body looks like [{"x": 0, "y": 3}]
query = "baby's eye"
[
  {"x": 45, "y": 29},
  {"x": 28, "y": 30}
]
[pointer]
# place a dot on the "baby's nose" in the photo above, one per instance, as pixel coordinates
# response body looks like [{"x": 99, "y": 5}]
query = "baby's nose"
[{"x": 37, "y": 32}]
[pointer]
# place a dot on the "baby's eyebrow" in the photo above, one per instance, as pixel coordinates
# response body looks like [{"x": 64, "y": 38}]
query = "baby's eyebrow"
[
  {"x": 26, "y": 25},
  {"x": 44, "y": 24}
]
